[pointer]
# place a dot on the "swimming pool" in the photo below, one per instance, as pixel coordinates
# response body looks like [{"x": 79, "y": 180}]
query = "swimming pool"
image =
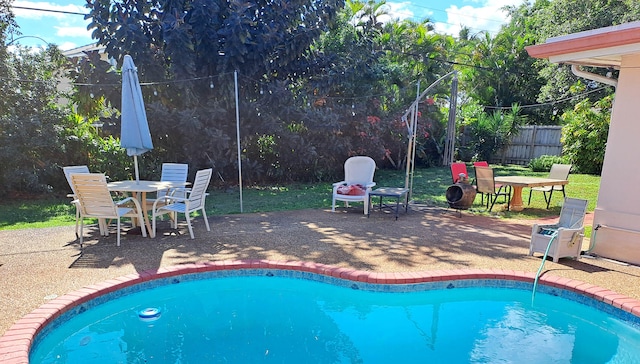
[{"x": 305, "y": 312}]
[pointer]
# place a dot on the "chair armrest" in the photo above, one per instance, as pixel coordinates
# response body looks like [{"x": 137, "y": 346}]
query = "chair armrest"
[
  {"x": 370, "y": 184},
  {"x": 124, "y": 201},
  {"x": 130, "y": 199},
  {"x": 339, "y": 183}
]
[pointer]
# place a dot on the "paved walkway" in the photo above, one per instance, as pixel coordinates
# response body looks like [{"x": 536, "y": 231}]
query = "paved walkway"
[{"x": 39, "y": 264}]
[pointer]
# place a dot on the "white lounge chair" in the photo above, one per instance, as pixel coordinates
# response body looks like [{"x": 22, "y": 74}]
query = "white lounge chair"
[
  {"x": 195, "y": 201},
  {"x": 357, "y": 171},
  {"x": 567, "y": 234},
  {"x": 95, "y": 201}
]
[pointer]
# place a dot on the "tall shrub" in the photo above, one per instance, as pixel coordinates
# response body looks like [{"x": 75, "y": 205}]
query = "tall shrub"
[
  {"x": 491, "y": 132},
  {"x": 584, "y": 134}
]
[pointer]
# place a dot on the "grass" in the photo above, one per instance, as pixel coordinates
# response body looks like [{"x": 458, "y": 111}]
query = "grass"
[{"x": 429, "y": 186}]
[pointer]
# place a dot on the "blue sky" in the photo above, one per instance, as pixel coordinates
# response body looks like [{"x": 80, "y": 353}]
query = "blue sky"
[{"x": 69, "y": 31}]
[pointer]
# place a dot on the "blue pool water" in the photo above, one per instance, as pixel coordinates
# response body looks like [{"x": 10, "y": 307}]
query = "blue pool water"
[{"x": 282, "y": 319}]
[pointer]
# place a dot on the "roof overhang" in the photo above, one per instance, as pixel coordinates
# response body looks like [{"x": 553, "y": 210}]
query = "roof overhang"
[{"x": 603, "y": 47}]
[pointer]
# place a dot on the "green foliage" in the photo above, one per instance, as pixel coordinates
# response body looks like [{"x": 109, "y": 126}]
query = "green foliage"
[
  {"x": 544, "y": 162},
  {"x": 31, "y": 121},
  {"x": 429, "y": 185},
  {"x": 303, "y": 71},
  {"x": 585, "y": 132},
  {"x": 490, "y": 133},
  {"x": 558, "y": 17}
]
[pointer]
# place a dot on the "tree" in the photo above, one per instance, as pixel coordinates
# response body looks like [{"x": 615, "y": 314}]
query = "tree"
[
  {"x": 32, "y": 142},
  {"x": 585, "y": 132},
  {"x": 558, "y": 17},
  {"x": 190, "y": 49}
]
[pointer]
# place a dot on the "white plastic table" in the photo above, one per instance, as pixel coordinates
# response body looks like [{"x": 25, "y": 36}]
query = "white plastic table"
[{"x": 139, "y": 189}]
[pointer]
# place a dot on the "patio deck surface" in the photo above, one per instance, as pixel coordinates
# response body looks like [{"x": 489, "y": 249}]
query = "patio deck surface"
[{"x": 37, "y": 265}]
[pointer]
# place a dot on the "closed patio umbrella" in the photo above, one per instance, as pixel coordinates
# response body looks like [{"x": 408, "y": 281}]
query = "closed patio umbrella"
[{"x": 134, "y": 130}]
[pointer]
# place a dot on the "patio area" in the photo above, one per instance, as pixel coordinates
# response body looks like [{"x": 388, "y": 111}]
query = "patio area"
[{"x": 41, "y": 264}]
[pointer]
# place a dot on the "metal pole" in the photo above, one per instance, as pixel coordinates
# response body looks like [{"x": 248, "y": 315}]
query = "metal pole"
[
  {"x": 235, "y": 80},
  {"x": 411, "y": 128},
  {"x": 451, "y": 124},
  {"x": 135, "y": 166}
]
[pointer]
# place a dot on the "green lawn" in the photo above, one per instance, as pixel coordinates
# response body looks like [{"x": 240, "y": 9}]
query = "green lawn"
[{"x": 429, "y": 186}]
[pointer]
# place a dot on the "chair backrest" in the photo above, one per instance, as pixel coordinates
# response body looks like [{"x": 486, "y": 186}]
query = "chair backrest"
[
  {"x": 560, "y": 171},
  {"x": 481, "y": 164},
  {"x": 572, "y": 213},
  {"x": 199, "y": 188},
  {"x": 69, "y": 170},
  {"x": 173, "y": 172},
  {"x": 93, "y": 194},
  {"x": 484, "y": 180},
  {"x": 456, "y": 169},
  {"x": 359, "y": 169}
]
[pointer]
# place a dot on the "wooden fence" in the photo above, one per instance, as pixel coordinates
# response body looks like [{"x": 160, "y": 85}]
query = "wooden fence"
[{"x": 531, "y": 142}]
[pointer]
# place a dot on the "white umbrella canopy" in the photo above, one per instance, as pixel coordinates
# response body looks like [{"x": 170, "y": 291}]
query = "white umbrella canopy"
[{"x": 134, "y": 129}]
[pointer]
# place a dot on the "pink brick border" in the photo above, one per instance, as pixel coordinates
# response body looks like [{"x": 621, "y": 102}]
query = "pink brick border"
[{"x": 15, "y": 344}]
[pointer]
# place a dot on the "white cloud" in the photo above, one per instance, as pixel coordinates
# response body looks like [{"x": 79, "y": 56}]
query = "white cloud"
[
  {"x": 488, "y": 17},
  {"x": 75, "y": 32},
  {"x": 478, "y": 15},
  {"x": 398, "y": 11},
  {"x": 65, "y": 46}
]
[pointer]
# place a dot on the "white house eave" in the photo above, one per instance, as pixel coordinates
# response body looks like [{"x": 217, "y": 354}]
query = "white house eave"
[{"x": 605, "y": 57}]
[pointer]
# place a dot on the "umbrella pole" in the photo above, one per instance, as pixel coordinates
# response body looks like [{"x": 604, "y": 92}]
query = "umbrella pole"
[{"x": 135, "y": 165}]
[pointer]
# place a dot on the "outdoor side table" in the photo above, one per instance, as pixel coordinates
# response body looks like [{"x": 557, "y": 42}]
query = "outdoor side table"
[{"x": 391, "y": 192}]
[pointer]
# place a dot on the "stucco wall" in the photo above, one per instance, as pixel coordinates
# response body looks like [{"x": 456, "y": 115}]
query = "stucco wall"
[{"x": 618, "y": 208}]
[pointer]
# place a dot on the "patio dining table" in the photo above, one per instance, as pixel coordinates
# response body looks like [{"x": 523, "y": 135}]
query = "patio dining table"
[
  {"x": 139, "y": 190},
  {"x": 520, "y": 182}
]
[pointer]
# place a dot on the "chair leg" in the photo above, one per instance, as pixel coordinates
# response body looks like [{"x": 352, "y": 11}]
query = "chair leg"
[
  {"x": 81, "y": 232},
  {"x": 118, "y": 238},
  {"x": 493, "y": 201},
  {"x": 186, "y": 215},
  {"x": 549, "y": 201},
  {"x": 366, "y": 205},
  {"x": 206, "y": 221},
  {"x": 153, "y": 222},
  {"x": 530, "y": 191},
  {"x": 77, "y": 220}
]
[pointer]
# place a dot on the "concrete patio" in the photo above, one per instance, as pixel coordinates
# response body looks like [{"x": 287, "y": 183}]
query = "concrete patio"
[{"x": 40, "y": 264}]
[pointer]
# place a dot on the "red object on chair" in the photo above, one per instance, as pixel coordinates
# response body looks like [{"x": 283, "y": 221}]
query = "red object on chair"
[
  {"x": 456, "y": 170},
  {"x": 481, "y": 164}
]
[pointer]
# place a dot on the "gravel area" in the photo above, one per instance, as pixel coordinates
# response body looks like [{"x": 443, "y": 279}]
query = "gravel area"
[{"x": 39, "y": 264}]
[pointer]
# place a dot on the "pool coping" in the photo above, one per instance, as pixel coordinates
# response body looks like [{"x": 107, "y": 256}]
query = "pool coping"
[{"x": 16, "y": 342}]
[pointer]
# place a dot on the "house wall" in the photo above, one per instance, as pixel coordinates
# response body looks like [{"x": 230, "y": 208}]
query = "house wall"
[{"x": 618, "y": 207}]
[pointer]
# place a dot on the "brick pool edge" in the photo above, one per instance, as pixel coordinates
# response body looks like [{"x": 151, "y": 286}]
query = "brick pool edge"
[{"x": 16, "y": 342}]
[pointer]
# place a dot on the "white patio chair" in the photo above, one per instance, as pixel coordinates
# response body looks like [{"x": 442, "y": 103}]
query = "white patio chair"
[
  {"x": 567, "y": 234},
  {"x": 195, "y": 201},
  {"x": 68, "y": 171},
  {"x": 172, "y": 172},
  {"x": 558, "y": 171},
  {"x": 95, "y": 201},
  {"x": 357, "y": 171}
]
